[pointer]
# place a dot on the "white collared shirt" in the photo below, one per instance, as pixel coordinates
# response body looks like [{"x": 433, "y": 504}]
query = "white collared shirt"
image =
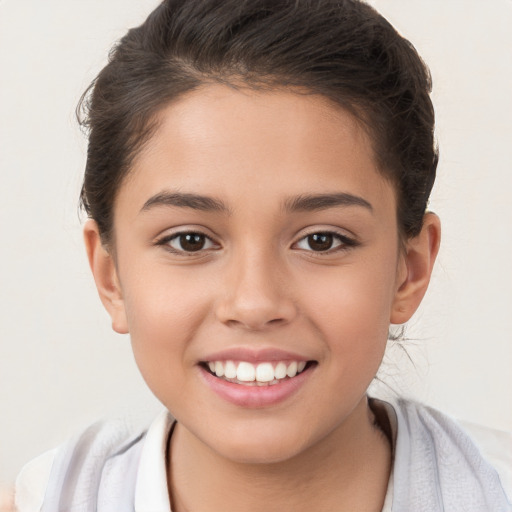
[
  {"x": 151, "y": 489},
  {"x": 151, "y": 493}
]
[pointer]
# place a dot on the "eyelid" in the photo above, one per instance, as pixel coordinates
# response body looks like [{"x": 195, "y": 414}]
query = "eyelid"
[
  {"x": 346, "y": 241},
  {"x": 164, "y": 239}
]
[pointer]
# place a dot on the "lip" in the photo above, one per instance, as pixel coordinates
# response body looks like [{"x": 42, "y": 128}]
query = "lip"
[
  {"x": 255, "y": 396},
  {"x": 254, "y": 356}
]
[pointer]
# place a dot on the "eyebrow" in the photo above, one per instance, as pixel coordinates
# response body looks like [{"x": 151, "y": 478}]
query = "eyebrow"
[
  {"x": 185, "y": 200},
  {"x": 301, "y": 203},
  {"x": 314, "y": 202}
]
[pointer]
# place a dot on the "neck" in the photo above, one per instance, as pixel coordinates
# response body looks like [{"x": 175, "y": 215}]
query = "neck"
[{"x": 347, "y": 470}]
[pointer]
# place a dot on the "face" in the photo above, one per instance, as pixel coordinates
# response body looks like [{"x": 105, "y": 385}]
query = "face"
[{"x": 257, "y": 268}]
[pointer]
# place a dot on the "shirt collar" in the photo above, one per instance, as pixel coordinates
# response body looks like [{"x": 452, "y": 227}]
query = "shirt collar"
[{"x": 151, "y": 492}]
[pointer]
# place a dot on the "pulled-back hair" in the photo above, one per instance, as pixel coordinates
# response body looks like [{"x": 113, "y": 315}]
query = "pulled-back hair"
[{"x": 342, "y": 49}]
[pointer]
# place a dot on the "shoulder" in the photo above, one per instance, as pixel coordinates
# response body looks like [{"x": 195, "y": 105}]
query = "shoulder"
[
  {"x": 439, "y": 466},
  {"x": 102, "y": 450},
  {"x": 496, "y": 447},
  {"x": 493, "y": 445},
  {"x": 32, "y": 481}
]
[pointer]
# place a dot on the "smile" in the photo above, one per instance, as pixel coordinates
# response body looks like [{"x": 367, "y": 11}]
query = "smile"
[
  {"x": 256, "y": 378},
  {"x": 261, "y": 374}
]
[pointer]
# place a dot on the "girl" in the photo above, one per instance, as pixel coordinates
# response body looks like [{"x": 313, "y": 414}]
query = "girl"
[{"x": 257, "y": 181}]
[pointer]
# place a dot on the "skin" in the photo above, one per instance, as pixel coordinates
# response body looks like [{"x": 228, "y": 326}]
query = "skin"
[
  {"x": 257, "y": 284},
  {"x": 7, "y": 500}
]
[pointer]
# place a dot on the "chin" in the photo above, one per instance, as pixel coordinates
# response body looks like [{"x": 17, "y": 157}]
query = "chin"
[
  {"x": 261, "y": 446},
  {"x": 256, "y": 454}
]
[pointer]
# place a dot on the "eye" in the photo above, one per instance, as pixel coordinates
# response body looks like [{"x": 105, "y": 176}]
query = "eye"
[
  {"x": 187, "y": 242},
  {"x": 325, "y": 241}
]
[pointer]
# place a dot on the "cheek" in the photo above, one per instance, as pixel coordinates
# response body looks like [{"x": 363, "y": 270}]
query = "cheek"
[
  {"x": 165, "y": 300},
  {"x": 351, "y": 307},
  {"x": 164, "y": 310}
]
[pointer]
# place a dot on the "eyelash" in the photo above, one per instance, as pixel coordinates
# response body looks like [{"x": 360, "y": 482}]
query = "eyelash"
[
  {"x": 166, "y": 241},
  {"x": 345, "y": 243}
]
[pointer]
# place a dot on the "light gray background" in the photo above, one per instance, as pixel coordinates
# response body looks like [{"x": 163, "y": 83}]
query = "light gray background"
[{"x": 61, "y": 367}]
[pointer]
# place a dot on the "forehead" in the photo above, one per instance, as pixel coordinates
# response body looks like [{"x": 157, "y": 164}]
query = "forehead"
[{"x": 218, "y": 140}]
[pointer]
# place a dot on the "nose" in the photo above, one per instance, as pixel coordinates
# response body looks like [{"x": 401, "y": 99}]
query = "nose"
[{"x": 256, "y": 294}]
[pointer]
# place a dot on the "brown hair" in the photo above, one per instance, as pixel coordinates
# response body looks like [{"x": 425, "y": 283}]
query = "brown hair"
[{"x": 342, "y": 49}]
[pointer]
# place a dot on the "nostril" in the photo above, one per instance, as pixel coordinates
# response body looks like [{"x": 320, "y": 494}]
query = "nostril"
[{"x": 255, "y": 324}]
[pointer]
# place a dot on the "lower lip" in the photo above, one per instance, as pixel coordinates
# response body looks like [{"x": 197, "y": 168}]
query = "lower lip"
[{"x": 255, "y": 396}]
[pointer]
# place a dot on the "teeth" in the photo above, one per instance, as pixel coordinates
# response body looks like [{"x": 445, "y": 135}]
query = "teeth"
[
  {"x": 264, "y": 372},
  {"x": 261, "y": 374},
  {"x": 245, "y": 372},
  {"x": 291, "y": 371},
  {"x": 280, "y": 371},
  {"x": 230, "y": 370},
  {"x": 219, "y": 369}
]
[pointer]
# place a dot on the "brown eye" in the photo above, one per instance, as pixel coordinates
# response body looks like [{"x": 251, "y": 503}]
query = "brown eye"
[
  {"x": 320, "y": 241},
  {"x": 190, "y": 242},
  {"x": 325, "y": 242}
]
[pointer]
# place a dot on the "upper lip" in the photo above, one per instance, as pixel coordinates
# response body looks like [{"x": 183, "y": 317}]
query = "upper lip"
[{"x": 254, "y": 355}]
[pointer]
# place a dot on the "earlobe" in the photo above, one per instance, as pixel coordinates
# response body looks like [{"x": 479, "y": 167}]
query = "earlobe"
[
  {"x": 105, "y": 276},
  {"x": 417, "y": 264}
]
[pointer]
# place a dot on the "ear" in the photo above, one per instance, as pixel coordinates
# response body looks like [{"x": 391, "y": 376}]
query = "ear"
[
  {"x": 415, "y": 269},
  {"x": 104, "y": 270}
]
